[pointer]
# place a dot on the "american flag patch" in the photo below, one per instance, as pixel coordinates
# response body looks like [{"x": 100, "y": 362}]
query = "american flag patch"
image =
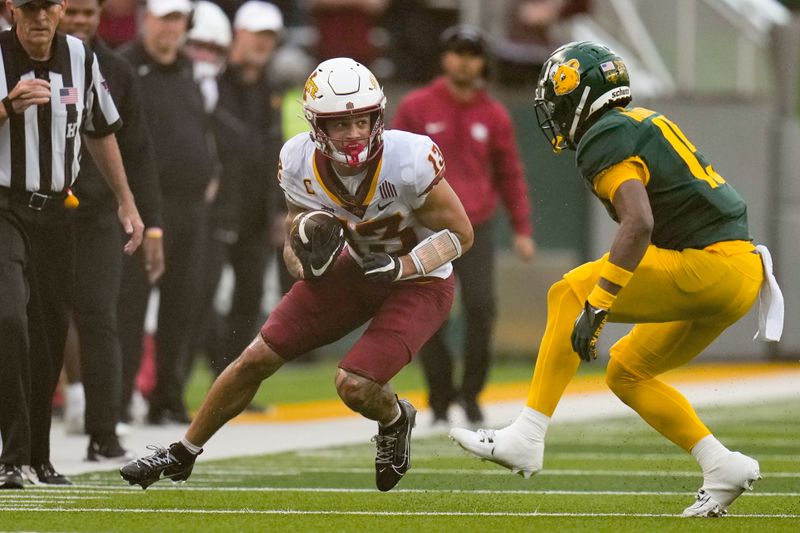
[
  {"x": 68, "y": 95},
  {"x": 387, "y": 190},
  {"x": 608, "y": 65}
]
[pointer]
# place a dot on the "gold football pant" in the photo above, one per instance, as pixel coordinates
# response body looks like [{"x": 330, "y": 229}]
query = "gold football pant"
[{"x": 680, "y": 302}]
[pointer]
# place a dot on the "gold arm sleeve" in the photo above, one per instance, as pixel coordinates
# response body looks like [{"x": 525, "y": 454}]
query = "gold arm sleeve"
[{"x": 608, "y": 181}]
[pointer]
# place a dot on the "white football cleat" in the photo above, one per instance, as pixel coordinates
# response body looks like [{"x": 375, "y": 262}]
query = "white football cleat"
[
  {"x": 723, "y": 485},
  {"x": 506, "y": 447}
]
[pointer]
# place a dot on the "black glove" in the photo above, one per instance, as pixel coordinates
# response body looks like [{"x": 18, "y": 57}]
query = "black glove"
[
  {"x": 381, "y": 267},
  {"x": 587, "y": 330},
  {"x": 326, "y": 243}
]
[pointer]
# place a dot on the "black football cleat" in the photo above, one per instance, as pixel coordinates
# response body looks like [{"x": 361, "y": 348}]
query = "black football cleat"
[
  {"x": 11, "y": 477},
  {"x": 107, "y": 448},
  {"x": 175, "y": 463},
  {"x": 393, "y": 458},
  {"x": 47, "y": 475}
]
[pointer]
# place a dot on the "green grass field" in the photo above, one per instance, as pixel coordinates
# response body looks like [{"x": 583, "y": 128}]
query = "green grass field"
[
  {"x": 303, "y": 382},
  {"x": 613, "y": 475}
]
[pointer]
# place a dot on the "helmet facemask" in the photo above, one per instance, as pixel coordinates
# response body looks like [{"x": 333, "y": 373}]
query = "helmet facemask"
[
  {"x": 353, "y": 152},
  {"x": 548, "y": 125}
]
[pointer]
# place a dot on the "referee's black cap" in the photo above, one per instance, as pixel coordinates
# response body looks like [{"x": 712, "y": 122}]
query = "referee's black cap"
[
  {"x": 18, "y": 3},
  {"x": 464, "y": 38}
]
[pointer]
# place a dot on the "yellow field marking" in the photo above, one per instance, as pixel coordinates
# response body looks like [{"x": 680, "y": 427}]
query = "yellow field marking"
[{"x": 518, "y": 390}]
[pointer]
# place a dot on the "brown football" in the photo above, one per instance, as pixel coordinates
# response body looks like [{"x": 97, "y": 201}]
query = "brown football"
[{"x": 306, "y": 223}]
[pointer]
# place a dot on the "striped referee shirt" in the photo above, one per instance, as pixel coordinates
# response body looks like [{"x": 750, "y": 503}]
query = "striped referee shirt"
[{"x": 40, "y": 148}]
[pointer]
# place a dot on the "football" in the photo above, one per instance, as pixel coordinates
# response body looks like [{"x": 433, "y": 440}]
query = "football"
[
  {"x": 317, "y": 238},
  {"x": 305, "y": 224}
]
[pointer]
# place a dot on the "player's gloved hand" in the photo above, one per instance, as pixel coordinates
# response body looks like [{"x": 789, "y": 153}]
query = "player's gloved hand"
[
  {"x": 587, "y": 330},
  {"x": 382, "y": 267},
  {"x": 326, "y": 245}
]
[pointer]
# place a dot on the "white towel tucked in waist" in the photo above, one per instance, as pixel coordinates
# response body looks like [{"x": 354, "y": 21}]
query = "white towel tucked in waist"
[{"x": 770, "y": 302}]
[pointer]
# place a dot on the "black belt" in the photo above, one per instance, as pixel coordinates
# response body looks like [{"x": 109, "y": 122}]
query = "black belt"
[{"x": 34, "y": 200}]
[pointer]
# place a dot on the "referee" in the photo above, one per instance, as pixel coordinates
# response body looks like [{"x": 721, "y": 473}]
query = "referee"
[{"x": 53, "y": 98}]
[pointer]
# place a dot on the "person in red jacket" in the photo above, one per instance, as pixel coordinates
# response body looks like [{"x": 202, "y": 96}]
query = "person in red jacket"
[{"x": 476, "y": 136}]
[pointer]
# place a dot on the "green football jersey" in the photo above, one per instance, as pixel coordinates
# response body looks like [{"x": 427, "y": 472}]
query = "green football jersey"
[{"x": 692, "y": 205}]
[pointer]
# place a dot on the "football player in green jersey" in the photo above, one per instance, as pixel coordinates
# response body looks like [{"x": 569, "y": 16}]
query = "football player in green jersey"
[{"x": 682, "y": 268}]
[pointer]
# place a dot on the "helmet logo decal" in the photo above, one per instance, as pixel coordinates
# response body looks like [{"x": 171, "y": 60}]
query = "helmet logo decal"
[
  {"x": 311, "y": 88},
  {"x": 615, "y": 71},
  {"x": 350, "y": 105},
  {"x": 565, "y": 77}
]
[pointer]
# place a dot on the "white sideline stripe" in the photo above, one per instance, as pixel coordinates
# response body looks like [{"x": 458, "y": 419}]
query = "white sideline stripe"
[
  {"x": 87, "y": 489},
  {"x": 371, "y": 513}
]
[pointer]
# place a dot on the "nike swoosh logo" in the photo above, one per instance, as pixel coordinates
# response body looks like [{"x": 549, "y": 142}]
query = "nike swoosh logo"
[
  {"x": 382, "y": 207},
  {"x": 320, "y": 271}
]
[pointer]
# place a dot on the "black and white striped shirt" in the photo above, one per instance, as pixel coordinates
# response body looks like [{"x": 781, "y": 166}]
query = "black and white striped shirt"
[{"x": 80, "y": 104}]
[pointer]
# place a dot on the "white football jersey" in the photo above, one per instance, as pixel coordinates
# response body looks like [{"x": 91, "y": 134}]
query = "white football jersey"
[{"x": 379, "y": 216}]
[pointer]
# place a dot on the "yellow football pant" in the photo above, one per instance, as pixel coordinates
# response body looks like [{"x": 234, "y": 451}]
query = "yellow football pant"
[{"x": 679, "y": 301}]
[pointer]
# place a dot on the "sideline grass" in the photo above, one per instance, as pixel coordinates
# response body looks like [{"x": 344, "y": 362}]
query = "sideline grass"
[
  {"x": 613, "y": 475},
  {"x": 300, "y": 382}
]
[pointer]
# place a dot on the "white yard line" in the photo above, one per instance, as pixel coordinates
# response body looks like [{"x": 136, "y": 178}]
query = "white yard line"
[
  {"x": 373, "y": 513},
  {"x": 136, "y": 492}
]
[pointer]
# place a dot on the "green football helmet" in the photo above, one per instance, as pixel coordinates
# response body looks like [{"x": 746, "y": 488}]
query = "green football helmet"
[{"x": 577, "y": 84}]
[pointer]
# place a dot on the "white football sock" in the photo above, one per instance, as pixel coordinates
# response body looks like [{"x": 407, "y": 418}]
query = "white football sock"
[
  {"x": 531, "y": 424},
  {"x": 709, "y": 453},
  {"x": 191, "y": 448}
]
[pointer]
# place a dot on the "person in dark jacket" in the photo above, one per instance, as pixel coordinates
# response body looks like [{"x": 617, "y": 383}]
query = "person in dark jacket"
[
  {"x": 175, "y": 115},
  {"x": 246, "y": 95},
  {"x": 96, "y": 289}
]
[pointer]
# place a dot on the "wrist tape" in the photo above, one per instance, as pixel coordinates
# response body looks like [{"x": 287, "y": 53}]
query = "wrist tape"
[
  {"x": 615, "y": 274},
  {"x": 435, "y": 251},
  {"x": 601, "y": 298}
]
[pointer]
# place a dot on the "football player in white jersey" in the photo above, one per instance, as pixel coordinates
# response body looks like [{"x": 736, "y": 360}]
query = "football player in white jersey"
[{"x": 403, "y": 226}]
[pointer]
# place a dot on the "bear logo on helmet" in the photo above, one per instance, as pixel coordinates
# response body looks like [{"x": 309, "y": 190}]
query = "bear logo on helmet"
[{"x": 565, "y": 77}]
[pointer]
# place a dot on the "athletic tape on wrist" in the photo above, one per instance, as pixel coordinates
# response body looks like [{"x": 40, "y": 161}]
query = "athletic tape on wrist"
[
  {"x": 615, "y": 274},
  {"x": 601, "y": 298},
  {"x": 435, "y": 251}
]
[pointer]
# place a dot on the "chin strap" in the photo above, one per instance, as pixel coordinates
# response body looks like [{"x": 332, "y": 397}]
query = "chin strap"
[{"x": 435, "y": 251}]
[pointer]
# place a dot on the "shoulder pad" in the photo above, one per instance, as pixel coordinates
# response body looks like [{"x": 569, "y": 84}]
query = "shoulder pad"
[{"x": 610, "y": 140}]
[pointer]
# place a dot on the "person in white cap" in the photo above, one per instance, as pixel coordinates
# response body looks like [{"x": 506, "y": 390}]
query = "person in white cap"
[
  {"x": 240, "y": 226},
  {"x": 208, "y": 42},
  {"x": 177, "y": 121},
  {"x": 257, "y": 26},
  {"x": 164, "y": 28}
]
